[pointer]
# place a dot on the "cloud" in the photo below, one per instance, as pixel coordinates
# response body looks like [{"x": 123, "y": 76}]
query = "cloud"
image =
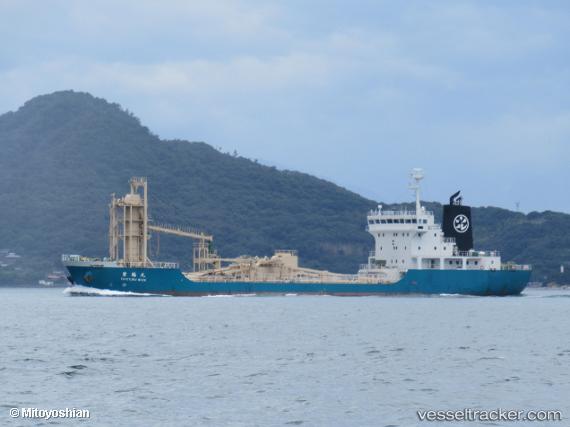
[
  {"x": 310, "y": 65},
  {"x": 524, "y": 140},
  {"x": 363, "y": 91},
  {"x": 482, "y": 31}
]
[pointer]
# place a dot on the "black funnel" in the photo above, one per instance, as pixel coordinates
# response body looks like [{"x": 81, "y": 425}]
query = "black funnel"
[{"x": 457, "y": 222}]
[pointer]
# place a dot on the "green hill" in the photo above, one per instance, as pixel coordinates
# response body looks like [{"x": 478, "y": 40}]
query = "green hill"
[{"x": 63, "y": 154}]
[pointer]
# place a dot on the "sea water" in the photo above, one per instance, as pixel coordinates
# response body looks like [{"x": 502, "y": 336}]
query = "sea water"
[{"x": 281, "y": 361}]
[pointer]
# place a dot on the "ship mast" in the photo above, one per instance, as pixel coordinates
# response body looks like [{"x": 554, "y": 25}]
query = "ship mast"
[{"x": 417, "y": 175}]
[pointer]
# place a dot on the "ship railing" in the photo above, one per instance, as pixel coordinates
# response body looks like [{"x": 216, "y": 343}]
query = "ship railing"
[
  {"x": 80, "y": 258},
  {"x": 371, "y": 266},
  {"x": 165, "y": 264},
  {"x": 449, "y": 240},
  {"x": 293, "y": 252},
  {"x": 152, "y": 264},
  {"x": 516, "y": 267},
  {"x": 479, "y": 254},
  {"x": 155, "y": 264},
  {"x": 399, "y": 213}
]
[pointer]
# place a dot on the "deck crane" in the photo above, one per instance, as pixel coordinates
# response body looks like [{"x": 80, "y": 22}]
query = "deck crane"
[{"x": 203, "y": 256}]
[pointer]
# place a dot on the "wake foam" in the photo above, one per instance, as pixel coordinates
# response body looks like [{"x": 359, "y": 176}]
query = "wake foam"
[
  {"x": 458, "y": 296},
  {"x": 78, "y": 290},
  {"x": 219, "y": 296}
]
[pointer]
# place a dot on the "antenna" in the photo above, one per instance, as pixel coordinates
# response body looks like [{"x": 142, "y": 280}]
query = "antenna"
[{"x": 417, "y": 175}]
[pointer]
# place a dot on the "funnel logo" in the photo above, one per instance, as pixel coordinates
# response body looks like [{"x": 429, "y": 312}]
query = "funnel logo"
[{"x": 461, "y": 223}]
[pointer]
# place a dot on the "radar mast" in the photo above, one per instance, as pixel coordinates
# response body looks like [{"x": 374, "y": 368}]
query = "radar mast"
[{"x": 417, "y": 175}]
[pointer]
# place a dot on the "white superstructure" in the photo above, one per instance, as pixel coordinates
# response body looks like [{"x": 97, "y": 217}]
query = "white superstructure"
[{"x": 406, "y": 240}]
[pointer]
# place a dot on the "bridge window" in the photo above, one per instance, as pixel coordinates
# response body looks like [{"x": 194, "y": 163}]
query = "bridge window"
[
  {"x": 370, "y": 221},
  {"x": 408, "y": 221},
  {"x": 383, "y": 221},
  {"x": 377, "y": 221},
  {"x": 414, "y": 221}
]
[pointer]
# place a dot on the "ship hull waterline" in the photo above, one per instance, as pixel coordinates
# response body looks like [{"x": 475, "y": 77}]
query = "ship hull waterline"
[{"x": 167, "y": 281}]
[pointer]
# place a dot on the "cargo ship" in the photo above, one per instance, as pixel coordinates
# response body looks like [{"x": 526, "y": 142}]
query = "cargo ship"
[{"x": 412, "y": 255}]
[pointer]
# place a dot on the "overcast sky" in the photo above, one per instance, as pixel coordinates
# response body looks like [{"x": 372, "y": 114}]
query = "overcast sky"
[{"x": 357, "y": 92}]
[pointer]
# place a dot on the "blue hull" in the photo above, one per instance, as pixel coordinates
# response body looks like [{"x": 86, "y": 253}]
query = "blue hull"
[{"x": 172, "y": 282}]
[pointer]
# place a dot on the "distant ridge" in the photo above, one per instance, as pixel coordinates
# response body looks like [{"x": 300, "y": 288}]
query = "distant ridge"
[{"x": 64, "y": 153}]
